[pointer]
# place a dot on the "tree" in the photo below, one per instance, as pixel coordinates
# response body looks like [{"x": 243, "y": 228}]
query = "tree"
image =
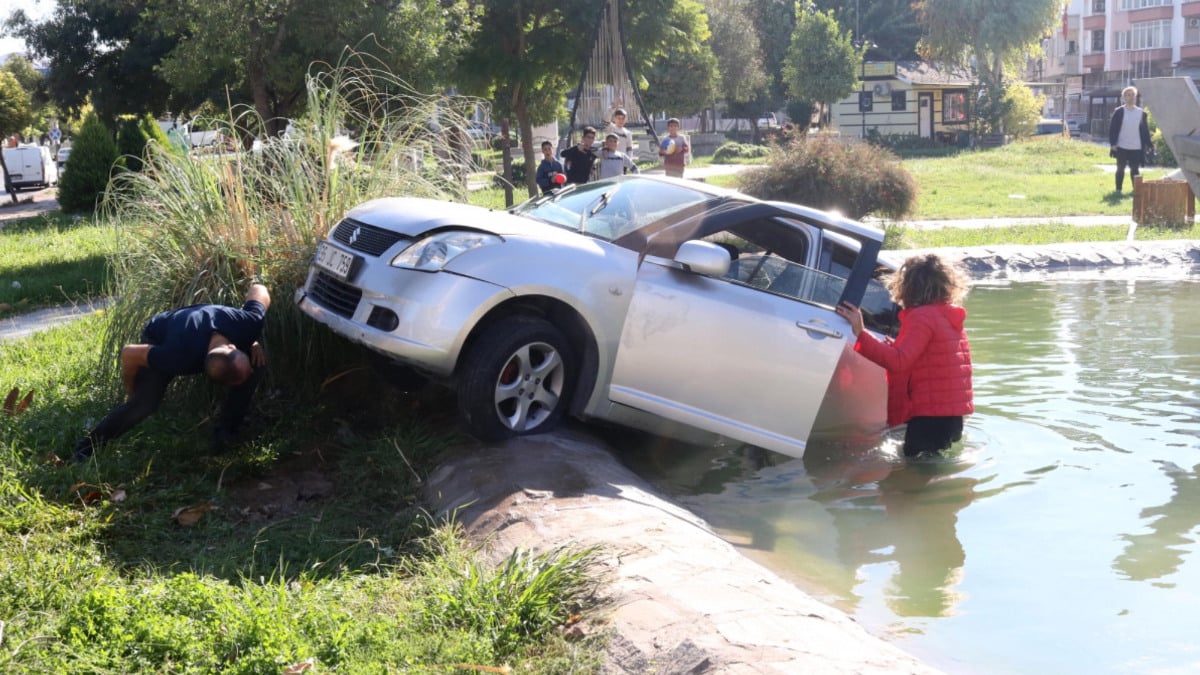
[
  {"x": 100, "y": 52},
  {"x": 774, "y": 21},
  {"x": 529, "y": 62},
  {"x": 684, "y": 77},
  {"x": 988, "y": 35},
  {"x": 534, "y": 53},
  {"x": 743, "y": 81},
  {"x": 131, "y": 143},
  {"x": 262, "y": 49},
  {"x": 822, "y": 62},
  {"x": 155, "y": 55},
  {"x": 1024, "y": 109},
  {"x": 891, "y": 26},
  {"x": 14, "y": 114},
  {"x": 92, "y": 157}
]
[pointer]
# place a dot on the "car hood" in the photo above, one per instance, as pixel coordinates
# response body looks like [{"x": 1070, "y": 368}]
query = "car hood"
[{"x": 414, "y": 216}]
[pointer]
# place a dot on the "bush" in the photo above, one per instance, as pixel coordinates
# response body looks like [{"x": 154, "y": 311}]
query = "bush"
[
  {"x": 730, "y": 151},
  {"x": 854, "y": 178},
  {"x": 155, "y": 133},
  {"x": 92, "y": 157},
  {"x": 1162, "y": 152},
  {"x": 131, "y": 144}
]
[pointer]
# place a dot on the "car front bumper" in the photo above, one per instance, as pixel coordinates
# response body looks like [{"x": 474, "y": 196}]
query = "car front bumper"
[{"x": 422, "y": 319}]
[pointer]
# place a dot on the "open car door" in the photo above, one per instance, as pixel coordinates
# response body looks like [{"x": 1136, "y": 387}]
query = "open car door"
[{"x": 744, "y": 358}]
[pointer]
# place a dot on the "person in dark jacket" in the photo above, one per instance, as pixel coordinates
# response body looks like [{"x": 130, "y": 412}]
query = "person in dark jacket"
[
  {"x": 221, "y": 342},
  {"x": 929, "y": 364},
  {"x": 548, "y": 168},
  {"x": 1128, "y": 136}
]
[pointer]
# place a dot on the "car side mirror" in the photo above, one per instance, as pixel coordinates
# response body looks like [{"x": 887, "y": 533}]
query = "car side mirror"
[{"x": 703, "y": 257}]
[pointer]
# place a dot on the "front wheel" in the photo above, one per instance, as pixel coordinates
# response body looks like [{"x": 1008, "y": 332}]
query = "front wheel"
[{"x": 516, "y": 380}]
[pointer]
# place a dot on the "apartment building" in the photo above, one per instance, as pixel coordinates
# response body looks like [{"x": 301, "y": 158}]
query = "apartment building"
[{"x": 1103, "y": 46}]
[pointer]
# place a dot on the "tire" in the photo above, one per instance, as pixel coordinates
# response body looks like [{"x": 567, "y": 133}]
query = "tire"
[{"x": 517, "y": 380}]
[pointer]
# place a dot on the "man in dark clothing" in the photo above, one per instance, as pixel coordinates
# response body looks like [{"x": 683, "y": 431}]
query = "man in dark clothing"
[
  {"x": 578, "y": 159},
  {"x": 220, "y": 341}
]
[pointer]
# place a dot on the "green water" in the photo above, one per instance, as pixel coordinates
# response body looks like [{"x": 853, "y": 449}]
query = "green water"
[{"x": 1063, "y": 536}]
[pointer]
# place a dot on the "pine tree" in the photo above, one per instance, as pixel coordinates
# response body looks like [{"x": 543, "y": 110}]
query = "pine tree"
[
  {"x": 131, "y": 144},
  {"x": 92, "y": 157}
]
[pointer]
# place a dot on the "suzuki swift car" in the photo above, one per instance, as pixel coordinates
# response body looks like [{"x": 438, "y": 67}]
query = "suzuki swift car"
[{"x": 665, "y": 305}]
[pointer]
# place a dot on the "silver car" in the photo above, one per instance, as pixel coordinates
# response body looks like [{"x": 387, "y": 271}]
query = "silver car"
[{"x": 665, "y": 305}]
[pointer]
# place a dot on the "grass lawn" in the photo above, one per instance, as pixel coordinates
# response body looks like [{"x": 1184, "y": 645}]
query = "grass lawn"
[
  {"x": 52, "y": 259},
  {"x": 1029, "y": 179},
  {"x": 305, "y": 544}
]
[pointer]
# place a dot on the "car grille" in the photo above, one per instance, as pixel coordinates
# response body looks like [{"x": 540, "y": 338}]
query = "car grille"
[
  {"x": 340, "y": 297},
  {"x": 365, "y": 238}
]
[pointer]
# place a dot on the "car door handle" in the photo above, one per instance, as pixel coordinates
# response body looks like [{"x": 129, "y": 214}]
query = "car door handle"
[{"x": 821, "y": 330}]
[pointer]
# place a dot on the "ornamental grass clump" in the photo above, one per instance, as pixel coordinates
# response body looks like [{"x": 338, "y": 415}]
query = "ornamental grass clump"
[
  {"x": 857, "y": 179},
  {"x": 200, "y": 229},
  {"x": 522, "y": 598}
]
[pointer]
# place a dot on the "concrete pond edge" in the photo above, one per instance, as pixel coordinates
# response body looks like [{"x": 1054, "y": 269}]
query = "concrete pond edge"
[{"x": 678, "y": 598}]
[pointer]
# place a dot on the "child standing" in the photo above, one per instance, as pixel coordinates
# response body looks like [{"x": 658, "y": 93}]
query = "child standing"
[
  {"x": 548, "y": 167},
  {"x": 929, "y": 364},
  {"x": 613, "y": 162},
  {"x": 674, "y": 160}
]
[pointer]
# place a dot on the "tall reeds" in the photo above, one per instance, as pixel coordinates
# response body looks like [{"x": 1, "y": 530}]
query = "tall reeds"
[{"x": 196, "y": 229}]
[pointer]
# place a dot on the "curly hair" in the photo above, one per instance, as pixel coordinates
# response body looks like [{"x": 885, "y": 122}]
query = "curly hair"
[{"x": 928, "y": 279}]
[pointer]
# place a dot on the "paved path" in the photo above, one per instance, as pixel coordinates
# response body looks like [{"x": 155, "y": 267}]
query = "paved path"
[{"x": 28, "y": 204}]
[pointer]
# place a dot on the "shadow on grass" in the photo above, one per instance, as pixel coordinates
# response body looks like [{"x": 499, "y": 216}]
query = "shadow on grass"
[
  {"x": 46, "y": 222},
  {"x": 48, "y": 284},
  {"x": 1114, "y": 198},
  {"x": 320, "y": 487}
]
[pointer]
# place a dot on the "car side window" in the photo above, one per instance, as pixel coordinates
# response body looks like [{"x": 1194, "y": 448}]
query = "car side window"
[
  {"x": 880, "y": 313},
  {"x": 772, "y": 255}
]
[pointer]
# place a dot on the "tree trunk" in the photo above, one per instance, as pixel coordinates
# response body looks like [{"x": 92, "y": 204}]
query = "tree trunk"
[
  {"x": 525, "y": 128},
  {"x": 8, "y": 186}
]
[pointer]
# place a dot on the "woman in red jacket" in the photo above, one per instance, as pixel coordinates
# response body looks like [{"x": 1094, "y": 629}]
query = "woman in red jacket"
[{"x": 929, "y": 364}]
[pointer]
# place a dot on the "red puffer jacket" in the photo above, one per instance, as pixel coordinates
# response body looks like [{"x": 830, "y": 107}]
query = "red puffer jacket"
[{"x": 929, "y": 364}]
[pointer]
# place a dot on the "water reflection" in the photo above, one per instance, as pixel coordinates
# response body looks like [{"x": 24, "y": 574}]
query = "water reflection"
[
  {"x": 1064, "y": 538},
  {"x": 901, "y": 513},
  {"x": 1159, "y": 553}
]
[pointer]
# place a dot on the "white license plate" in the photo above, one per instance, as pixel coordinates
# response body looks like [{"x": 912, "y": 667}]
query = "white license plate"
[{"x": 334, "y": 260}]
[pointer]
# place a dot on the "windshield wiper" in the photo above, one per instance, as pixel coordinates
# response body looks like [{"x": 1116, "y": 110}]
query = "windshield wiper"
[
  {"x": 544, "y": 198},
  {"x": 597, "y": 207}
]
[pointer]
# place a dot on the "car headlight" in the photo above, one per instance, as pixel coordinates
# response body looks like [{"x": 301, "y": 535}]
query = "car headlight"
[{"x": 433, "y": 252}]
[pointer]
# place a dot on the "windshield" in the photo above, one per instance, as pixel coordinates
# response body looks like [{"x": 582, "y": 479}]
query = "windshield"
[{"x": 609, "y": 209}]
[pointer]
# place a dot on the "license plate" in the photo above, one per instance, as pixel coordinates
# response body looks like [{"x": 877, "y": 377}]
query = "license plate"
[{"x": 333, "y": 259}]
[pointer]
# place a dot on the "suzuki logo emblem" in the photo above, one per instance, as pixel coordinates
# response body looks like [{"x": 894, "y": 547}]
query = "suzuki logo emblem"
[{"x": 354, "y": 235}]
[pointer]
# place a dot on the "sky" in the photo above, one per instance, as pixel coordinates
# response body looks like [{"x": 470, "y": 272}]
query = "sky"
[{"x": 36, "y": 9}]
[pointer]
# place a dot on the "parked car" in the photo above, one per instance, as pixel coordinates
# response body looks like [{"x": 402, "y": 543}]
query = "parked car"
[
  {"x": 660, "y": 304},
  {"x": 31, "y": 166},
  {"x": 768, "y": 121},
  {"x": 64, "y": 153},
  {"x": 1051, "y": 127}
]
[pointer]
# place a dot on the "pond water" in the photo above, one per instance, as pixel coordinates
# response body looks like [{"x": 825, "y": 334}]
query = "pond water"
[{"x": 1061, "y": 538}]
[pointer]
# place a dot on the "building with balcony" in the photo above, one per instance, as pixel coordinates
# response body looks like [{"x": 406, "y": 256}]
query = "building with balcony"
[{"x": 1102, "y": 46}]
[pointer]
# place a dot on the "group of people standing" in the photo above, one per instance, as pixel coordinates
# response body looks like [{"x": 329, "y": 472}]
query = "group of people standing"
[{"x": 582, "y": 163}]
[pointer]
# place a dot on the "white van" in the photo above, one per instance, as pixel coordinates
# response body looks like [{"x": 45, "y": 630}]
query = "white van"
[{"x": 31, "y": 166}]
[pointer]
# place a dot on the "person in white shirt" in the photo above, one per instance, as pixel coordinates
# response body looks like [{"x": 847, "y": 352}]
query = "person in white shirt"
[
  {"x": 613, "y": 162},
  {"x": 624, "y": 135},
  {"x": 1128, "y": 136}
]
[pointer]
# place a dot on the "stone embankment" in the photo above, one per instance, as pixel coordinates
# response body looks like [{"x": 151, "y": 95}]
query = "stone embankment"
[{"x": 679, "y": 599}]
